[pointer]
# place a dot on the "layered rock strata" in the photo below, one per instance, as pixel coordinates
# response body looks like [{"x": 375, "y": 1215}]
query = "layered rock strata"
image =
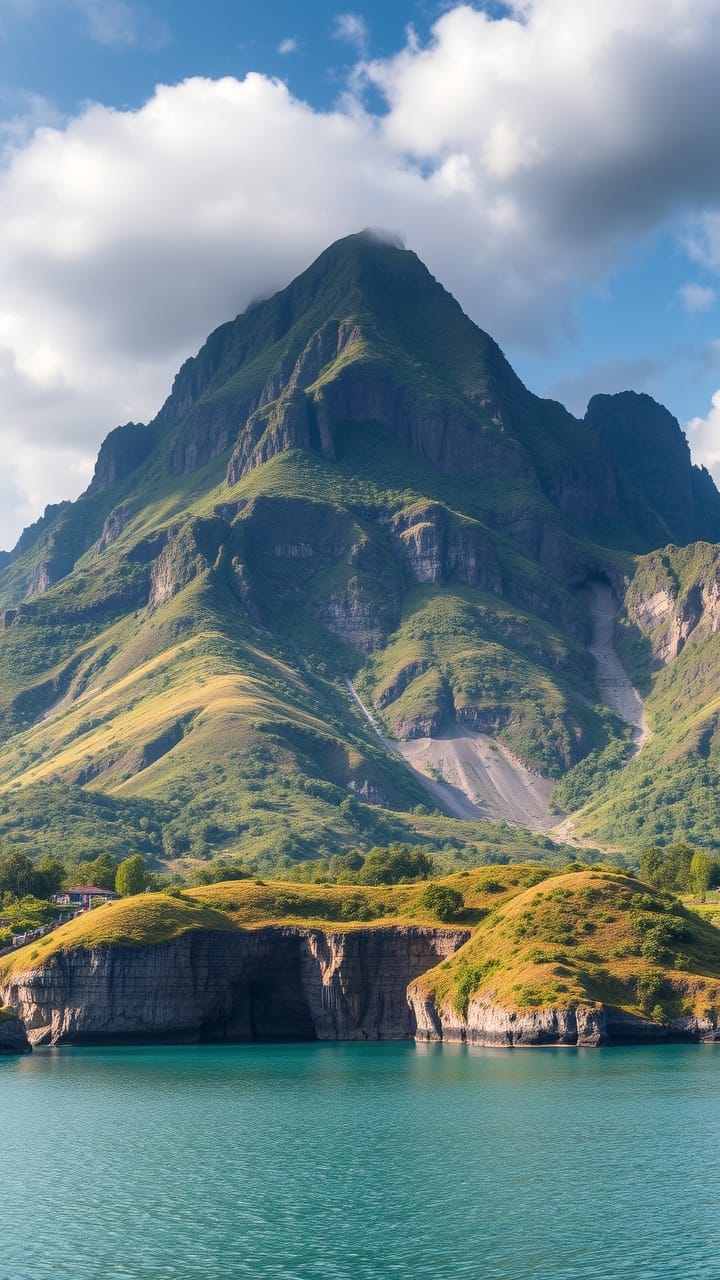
[
  {"x": 494, "y": 1026},
  {"x": 272, "y": 983}
]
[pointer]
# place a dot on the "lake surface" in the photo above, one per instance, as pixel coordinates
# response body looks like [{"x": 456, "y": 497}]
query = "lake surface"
[{"x": 360, "y": 1162}]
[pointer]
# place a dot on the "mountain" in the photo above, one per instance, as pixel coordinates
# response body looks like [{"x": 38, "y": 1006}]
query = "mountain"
[{"x": 344, "y": 589}]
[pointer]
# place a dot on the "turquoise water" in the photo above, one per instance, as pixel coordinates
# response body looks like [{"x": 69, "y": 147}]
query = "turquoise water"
[{"x": 360, "y": 1162}]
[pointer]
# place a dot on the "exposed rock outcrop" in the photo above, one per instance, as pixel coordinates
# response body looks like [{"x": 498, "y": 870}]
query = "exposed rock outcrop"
[
  {"x": 121, "y": 452},
  {"x": 268, "y": 983},
  {"x": 193, "y": 550},
  {"x": 650, "y": 447},
  {"x": 13, "y": 1036},
  {"x": 437, "y": 547},
  {"x": 671, "y": 601},
  {"x": 493, "y": 1025}
]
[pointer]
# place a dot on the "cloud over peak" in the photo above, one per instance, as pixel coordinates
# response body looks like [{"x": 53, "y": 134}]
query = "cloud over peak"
[{"x": 125, "y": 236}]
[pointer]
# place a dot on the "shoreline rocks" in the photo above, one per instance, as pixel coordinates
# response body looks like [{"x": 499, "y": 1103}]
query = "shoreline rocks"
[{"x": 490, "y": 1025}]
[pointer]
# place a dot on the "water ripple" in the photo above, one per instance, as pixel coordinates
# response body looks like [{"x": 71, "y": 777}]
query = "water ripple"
[{"x": 360, "y": 1162}]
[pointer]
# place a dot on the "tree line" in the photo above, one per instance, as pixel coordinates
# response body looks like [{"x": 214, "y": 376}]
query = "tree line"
[
  {"x": 23, "y": 877},
  {"x": 679, "y": 868}
]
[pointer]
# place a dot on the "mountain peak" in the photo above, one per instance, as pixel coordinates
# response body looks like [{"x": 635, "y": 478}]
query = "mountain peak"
[
  {"x": 347, "y": 481},
  {"x": 650, "y": 447}
]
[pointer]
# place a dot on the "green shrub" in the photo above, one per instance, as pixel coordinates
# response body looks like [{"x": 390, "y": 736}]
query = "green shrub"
[
  {"x": 443, "y": 901},
  {"x": 396, "y": 864}
]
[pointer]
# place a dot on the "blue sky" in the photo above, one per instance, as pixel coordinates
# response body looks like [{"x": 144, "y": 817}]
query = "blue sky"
[
  {"x": 59, "y": 51},
  {"x": 554, "y": 163}
]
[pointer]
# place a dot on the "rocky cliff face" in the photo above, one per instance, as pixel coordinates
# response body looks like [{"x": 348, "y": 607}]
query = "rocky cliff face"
[
  {"x": 649, "y": 446},
  {"x": 120, "y": 453},
  {"x": 13, "y": 1036},
  {"x": 583, "y": 1025},
  {"x": 589, "y": 1026},
  {"x": 279, "y": 983},
  {"x": 676, "y": 596}
]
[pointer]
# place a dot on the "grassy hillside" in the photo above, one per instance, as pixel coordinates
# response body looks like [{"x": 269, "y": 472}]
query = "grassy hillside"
[
  {"x": 667, "y": 635},
  {"x": 346, "y": 482},
  {"x": 589, "y": 937},
  {"x": 157, "y": 917},
  {"x": 538, "y": 938},
  {"x": 223, "y": 711}
]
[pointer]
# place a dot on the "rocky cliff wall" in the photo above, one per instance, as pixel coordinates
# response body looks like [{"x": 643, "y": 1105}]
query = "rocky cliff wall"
[
  {"x": 273, "y": 983},
  {"x": 675, "y": 598},
  {"x": 494, "y": 1026},
  {"x": 13, "y": 1036}
]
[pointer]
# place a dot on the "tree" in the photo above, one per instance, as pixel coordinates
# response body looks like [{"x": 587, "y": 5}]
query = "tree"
[
  {"x": 443, "y": 901},
  {"x": 50, "y": 873},
  {"x": 668, "y": 868},
  {"x": 651, "y": 865},
  {"x": 17, "y": 874},
  {"x": 397, "y": 864},
  {"x": 702, "y": 873},
  {"x": 131, "y": 877}
]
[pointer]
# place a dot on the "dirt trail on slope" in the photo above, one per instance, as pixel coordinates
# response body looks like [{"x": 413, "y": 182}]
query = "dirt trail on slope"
[{"x": 470, "y": 775}]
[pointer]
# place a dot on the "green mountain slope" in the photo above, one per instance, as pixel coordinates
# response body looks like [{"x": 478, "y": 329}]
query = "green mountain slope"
[
  {"x": 668, "y": 634},
  {"x": 347, "y": 483}
]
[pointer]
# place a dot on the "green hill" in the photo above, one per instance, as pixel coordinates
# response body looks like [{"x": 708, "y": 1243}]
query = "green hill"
[{"x": 538, "y": 939}]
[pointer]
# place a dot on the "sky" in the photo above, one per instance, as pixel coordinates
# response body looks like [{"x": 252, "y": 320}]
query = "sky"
[{"x": 163, "y": 164}]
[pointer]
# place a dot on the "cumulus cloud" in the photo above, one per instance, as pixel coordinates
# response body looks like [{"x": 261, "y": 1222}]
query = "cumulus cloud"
[
  {"x": 704, "y": 437},
  {"x": 125, "y": 236},
  {"x": 697, "y": 297},
  {"x": 29, "y": 112},
  {"x": 352, "y": 29}
]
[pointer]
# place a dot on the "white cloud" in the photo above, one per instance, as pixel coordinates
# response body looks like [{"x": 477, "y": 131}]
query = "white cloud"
[
  {"x": 31, "y": 111},
  {"x": 697, "y": 297},
  {"x": 125, "y": 236},
  {"x": 352, "y": 29},
  {"x": 704, "y": 437},
  {"x": 289, "y": 45},
  {"x": 110, "y": 22}
]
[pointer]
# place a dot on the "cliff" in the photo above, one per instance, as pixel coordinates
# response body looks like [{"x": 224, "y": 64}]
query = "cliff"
[
  {"x": 586, "y": 1026},
  {"x": 649, "y": 447},
  {"x": 274, "y": 983},
  {"x": 674, "y": 598},
  {"x": 587, "y": 958},
  {"x": 13, "y": 1036}
]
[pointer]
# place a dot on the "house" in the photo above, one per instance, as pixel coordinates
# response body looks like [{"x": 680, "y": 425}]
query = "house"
[{"x": 85, "y": 896}]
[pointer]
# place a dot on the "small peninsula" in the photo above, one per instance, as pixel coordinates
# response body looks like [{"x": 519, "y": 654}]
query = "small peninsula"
[{"x": 523, "y": 955}]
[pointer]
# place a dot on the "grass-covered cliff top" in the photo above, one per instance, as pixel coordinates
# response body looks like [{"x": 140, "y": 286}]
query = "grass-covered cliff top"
[
  {"x": 537, "y": 937},
  {"x": 590, "y": 936},
  {"x": 146, "y": 920},
  {"x": 152, "y": 918},
  {"x": 251, "y": 903}
]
